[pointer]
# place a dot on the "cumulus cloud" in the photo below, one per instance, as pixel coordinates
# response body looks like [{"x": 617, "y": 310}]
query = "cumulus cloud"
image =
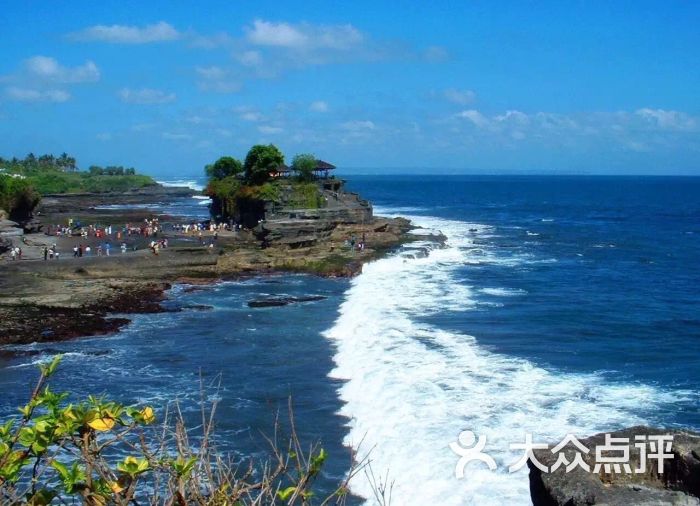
[
  {"x": 460, "y": 97},
  {"x": 673, "y": 120},
  {"x": 475, "y": 117},
  {"x": 358, "y": 125},
  {"x": 33, "y": 95},
  {"x": 318, "y": 106},
  {"x": 176, "y": 136},
  {"x": 216, "y": 79},
  {"x": 303, "y": 35},
  {"x": 47, "y": 68},
  {"x": 435, "y": 54},
  {"x": 267, "y": 129},
  {"x": 128, "y": 34},
  {"x": 39, "y": 79},
  {"x": 250, "y": 58},
  {"x": 643, "y": 130},
  {"x": 145, "y": 96},
  {"x": 251, "y": 116}
]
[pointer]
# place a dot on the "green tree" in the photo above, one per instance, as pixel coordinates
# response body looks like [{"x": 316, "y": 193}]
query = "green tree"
[
  {"x": 224, "y": 167},
  {"x": 260, "y": 161},
  {"x": 17, "y": 197},
  {"x": 304, "y": 165}
]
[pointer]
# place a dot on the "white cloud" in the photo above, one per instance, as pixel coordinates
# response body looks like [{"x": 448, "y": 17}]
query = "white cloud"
[
  {"x": 266, "y": 129},
  {"x": 358, "y": 125},
  {"x": 216, "y": 79},
  {"x": 48, "y": 69},
  {"x": 250, "y": 58},
  {"x": 303, "y": 35},
  {"x": 318, "y": 106},
  {"x": 475, "y": 117},
  {"x": 126, "y": 34},
  {"x": 145, "y": 96},
  {"x": 174, "y": 136},
  {"x": 513, "y": 117},
  {"x": 435, "y": 54},
  {"x": 673, "y": 120},
  {"x": 212, "y": 72},
  {"x": 461, "y": 97},
  {"x": 251, "y": 116},
  {"x": 34, "y": 95},
  {"x": 104, "y": 136}
]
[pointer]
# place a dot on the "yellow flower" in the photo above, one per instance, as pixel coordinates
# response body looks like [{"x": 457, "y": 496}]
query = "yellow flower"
[
  {"x": 102, "y": 424},
  {"x": 148, "y": 415},
  {"x": 115, "y": 486}
]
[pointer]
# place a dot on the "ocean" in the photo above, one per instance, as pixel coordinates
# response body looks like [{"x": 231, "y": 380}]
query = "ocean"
[{"x": 558, "y": 305}]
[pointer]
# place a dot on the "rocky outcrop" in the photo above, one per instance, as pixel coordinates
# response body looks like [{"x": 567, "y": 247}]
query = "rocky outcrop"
[
  {"x": 9, "y": 233},
  {"x": 679, "y": 484},
  {"x": 294, "y": 233},
  {"x": 75, "y": 202},
  {"x": 283, "y": 301}
]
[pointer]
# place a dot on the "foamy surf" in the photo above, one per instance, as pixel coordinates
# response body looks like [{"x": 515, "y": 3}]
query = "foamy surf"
[{"x": 411, "y": 388}]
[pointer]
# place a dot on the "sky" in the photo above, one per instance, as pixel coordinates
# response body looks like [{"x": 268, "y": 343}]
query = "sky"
[{"x": 577, "y": 87}]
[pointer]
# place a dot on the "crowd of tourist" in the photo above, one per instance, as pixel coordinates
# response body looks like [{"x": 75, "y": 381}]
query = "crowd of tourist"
[{"x": 102, "y": 240}]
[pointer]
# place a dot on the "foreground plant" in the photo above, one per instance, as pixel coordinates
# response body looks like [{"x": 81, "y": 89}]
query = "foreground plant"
[{"x": 100, "y": 452}]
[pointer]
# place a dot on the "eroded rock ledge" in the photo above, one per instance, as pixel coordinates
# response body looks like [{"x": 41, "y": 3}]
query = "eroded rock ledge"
[{"x": 679, "y": 484}]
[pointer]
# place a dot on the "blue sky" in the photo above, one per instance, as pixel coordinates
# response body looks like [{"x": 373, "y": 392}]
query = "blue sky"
[{"x": 431, "y": 87}]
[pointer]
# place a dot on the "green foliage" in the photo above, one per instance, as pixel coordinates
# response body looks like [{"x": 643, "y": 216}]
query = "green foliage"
[
  {"x": 17, "y": 197},
  {"x": 224, "y": 194},
  {"x": 224, "y": 167},
  {"x": 304, "y": 165},
  {"x": 260, "y": 161},
  {"x": 98, "y": 452},
  {"x": 305, "y": 196},
  {"x": 267, "y": 192},
  {"x": 48, "y": 174}
]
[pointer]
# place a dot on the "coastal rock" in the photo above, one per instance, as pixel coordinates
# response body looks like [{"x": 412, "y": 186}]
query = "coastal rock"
[
  {"x": 679, "y": 484},
  {"x": 294, "y": 233},
  {"x": 283, "y": 301}
]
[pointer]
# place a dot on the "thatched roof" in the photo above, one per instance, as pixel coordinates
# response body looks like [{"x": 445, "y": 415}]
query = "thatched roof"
[{"x": 321, "y": 165}]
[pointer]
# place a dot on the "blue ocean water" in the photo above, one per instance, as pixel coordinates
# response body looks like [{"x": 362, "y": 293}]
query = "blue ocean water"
[{"x": 558, "y": 305}]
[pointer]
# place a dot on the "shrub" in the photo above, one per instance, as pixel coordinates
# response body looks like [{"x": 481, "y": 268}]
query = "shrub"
[{"x": 102, "y": 452}]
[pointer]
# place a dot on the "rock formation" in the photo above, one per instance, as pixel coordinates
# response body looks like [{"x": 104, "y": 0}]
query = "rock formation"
[{"x": 679, "y": 484}]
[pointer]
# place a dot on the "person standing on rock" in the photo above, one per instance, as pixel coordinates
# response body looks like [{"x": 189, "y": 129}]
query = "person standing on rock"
[{"x": 46, "y": 253}]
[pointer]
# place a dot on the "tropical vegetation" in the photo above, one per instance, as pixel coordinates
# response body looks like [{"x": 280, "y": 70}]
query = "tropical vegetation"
[
  {"x": 49, "y": 174},
  {"x": 243, "y": 189},
  {"x": 96, "y": 451}
]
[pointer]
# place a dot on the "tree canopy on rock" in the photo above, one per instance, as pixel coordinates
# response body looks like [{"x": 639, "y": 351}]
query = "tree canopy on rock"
[
  {"x": 304, "y": 165},
  {"x": 224, "y": 167},
  {"x": 260, "y": 161}
]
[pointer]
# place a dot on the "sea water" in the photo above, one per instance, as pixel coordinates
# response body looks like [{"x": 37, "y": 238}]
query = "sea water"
[{"x": 557, "y": 305}]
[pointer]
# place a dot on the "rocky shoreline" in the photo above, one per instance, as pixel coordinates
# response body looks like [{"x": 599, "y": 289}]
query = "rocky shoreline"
[{"x": 56, "y": 300}]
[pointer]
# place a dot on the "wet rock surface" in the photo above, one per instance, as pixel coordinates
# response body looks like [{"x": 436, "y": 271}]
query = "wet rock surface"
[
  {"x": 678, "y": 484},
  {"x": 283, "y": 301}
]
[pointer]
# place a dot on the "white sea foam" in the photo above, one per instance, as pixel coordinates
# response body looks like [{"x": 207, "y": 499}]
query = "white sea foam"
[
  {"x": 411, "y": 387},
  {"x": 502, "y": 292},
  {"x": 190, "y": 183}
]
